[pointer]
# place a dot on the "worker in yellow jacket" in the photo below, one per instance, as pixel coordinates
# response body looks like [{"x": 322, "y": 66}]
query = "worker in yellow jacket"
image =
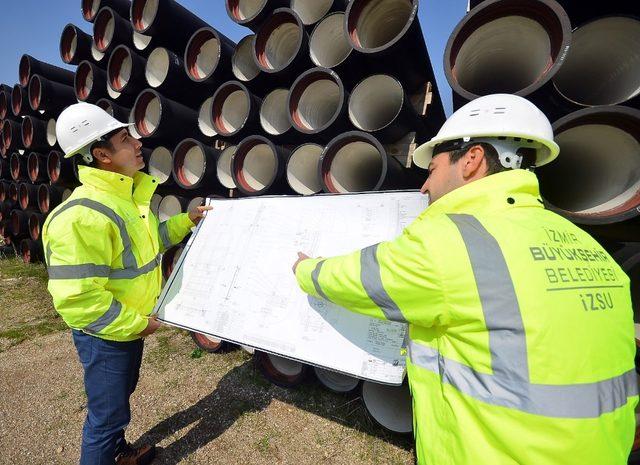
[
  {"x": 521, "y": 340},
  {"x": 102, "y": 249}
]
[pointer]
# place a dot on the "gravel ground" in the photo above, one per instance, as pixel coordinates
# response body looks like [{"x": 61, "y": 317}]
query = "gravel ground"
[{"x": 200, "y": 410}]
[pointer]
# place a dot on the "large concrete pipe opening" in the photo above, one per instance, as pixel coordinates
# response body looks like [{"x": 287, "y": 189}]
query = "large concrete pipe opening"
[
  {"x": 96, "y": 54},
  {"x": 155, "y": 203},
  {"x": 279, "y": 370},
  {"x": 278, "y": 41},
  {"x": 311, "y": 11},
  {"x": 242, "y": 10},
  {"x": 35, "y": 92},
  {"x": 24, "y": 70},
  {"x": 120, "y": 68},
  {"x": 302, "y": 169},
  {"x": 83, "y": 80},
  {"x": 90, "y": 9},
  {"x": 147, "y": 113},
  {"x": 242, "y": 64},
  {"x": 7, "y": 134},
  {"x": 603, "y": 64},
  {"x": 68, "y": 43},
  {"x": 376, "y": 23},
  {"x": 189, "y": 163},
  {"x": 329, "y": 45},
  {"x": 35, "y": 225},
  {"x": 33, "y": 166},
  {"x": 205, "y": 118},
  {"x": 389, "y": 406},
  {"x": 255, "y": 164},
  {"x": 52, "y": 139},
  {"x": 44, "y": 195},
  {"x": 507, "y": 47},
  {"x": 54, "y": 165},
  {"x": 231, "y": 107},
  {"x": 113, "y": 94},
  {"x": 203, "y": 54},
  {"x": 13, "y": 192},
  {"x": 4, "y": 105},
  {"x": 161, "y": 164},
  {"x": 104, "y": 29},
  {"x": 353, "y": 163},
  {"x": 336, "y": 382},
  {"x": 16, "y": 99},
  {"x": 375, "y": 102},
  {"x": 223, "y": 167},
  {"x": 143, "y": 14},
  {"x": 169, "y": 207},
  {"x": 27, "y": 132},
  {"x": 141, "y": 41},
  {"x": 195, "y": 203},
  {"x": 315, "y": 101},
  {"x": 157, "y": 68},
  {"x": 597, "y": 176},
  {"x": 170, "y": 259},
  {"x": 14, "y": 167},
  {"x": 274, "y": 117}
]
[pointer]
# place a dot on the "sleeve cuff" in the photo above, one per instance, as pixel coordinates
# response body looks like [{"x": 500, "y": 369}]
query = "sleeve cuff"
[
  {"x": 139, "y": 325},
  {"x": 303, "y": 275}
]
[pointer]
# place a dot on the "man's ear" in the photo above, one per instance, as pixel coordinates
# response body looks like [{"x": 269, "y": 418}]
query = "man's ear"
[
  {"x": 474, "y": 162},
  {"x": 101, "y": 155}
]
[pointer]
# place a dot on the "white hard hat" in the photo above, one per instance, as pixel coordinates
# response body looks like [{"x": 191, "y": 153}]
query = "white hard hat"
[
  {"x": 82, "y": 124},
  {"x": 506, "y": 120}
]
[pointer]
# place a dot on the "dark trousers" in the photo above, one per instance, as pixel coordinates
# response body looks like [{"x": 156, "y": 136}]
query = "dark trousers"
[{"x": 111, "y": 371}]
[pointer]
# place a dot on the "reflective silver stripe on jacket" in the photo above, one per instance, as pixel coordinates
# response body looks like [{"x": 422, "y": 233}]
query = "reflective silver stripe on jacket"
[
  {"x": 163, "y": 232},
  {"x": 315, "y": 274},
  {"x": 509, "y": 385},
  {"x": 587, "y": 400},
  {"x": 372, "y": 283},
  {"x": 106, "y": 319},
  {"x": 89, "y": 270}
]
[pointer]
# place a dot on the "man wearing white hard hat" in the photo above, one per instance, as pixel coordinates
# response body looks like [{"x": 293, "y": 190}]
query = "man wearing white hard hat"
[
  {"x": 102, "y": 249},
  {"x": 520, "y": 327}
]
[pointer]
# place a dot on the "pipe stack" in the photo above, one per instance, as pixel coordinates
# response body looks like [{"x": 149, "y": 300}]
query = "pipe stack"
[
  {"x": 579, "y": 64},
  {"x": 28, "y": 114}
]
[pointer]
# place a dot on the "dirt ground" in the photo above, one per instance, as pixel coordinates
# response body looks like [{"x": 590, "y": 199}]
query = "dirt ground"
[{"x": 214, "y": 408}]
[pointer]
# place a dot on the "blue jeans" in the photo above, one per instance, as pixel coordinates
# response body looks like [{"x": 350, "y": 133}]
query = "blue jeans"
[{"x": 111, "y": 371}]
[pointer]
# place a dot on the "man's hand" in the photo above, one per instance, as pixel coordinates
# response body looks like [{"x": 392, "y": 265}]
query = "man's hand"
[
  {"x": 301, "y": 256},
  {"x": 152, "y": 326},
  {"x": 198, "y": 213}
]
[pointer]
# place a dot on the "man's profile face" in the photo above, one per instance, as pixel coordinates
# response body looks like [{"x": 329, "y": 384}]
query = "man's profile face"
[
  {"x": 126, "y": 156},
  {"x": 443, "y": 177}
]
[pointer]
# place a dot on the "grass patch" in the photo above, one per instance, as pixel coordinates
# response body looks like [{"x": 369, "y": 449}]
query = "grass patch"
[
  {"x": 31, "y": 331},
  {"x": 26, "y": 307},
  {"x": 16, "y": 268}
]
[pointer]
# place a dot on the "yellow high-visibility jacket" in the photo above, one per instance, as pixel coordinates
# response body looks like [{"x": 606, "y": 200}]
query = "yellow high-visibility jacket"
[
  {"x": 102, "y": 249},
  {"x": 521, "y": 340}
]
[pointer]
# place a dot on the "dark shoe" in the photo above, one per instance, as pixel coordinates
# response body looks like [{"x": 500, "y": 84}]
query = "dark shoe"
[{"x": 139, "y": 456}]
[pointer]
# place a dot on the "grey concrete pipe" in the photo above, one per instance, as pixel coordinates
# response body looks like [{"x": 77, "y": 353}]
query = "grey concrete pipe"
[
  {"x": 303, "y": 175},
  {"x": 596, "y": 180},
  {"x": 603, "y": 65},
  {"x": 508, "y": 46}
]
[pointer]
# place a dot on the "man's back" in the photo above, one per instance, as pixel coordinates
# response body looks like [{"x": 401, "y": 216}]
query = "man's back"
[{"x": 533, "y": 360}]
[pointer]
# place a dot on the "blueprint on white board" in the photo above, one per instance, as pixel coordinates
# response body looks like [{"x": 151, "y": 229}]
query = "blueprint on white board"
[{"x": 234, "y": 279}]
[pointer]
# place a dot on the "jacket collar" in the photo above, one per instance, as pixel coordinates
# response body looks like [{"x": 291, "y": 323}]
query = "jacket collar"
[
  {"x": 501, "y": 191},
  {"x": 140, "y": 187}
]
